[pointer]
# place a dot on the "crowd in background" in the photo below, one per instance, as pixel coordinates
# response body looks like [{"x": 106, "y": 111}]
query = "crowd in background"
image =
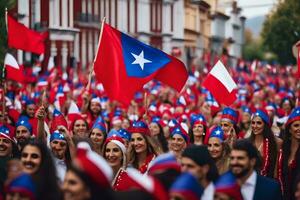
[{"x": 63, "y": 138}]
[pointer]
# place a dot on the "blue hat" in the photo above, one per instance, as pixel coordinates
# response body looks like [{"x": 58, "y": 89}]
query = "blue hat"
[
  {"x": 139, "y": 127},
  {"x": 56, "y": 135},
  {"x": 188, "y": 186},
  {"x": 100, "y": 124},
  {"x": 217, "y": 132},
  {"x": 294, "y": 116},
  {"x": 197, "y": 118},
  {"x": 263, "y": 115},
  {"x": 230, "y": 114},
  {"x": 180, "y": 131},
  {"x": 23, "y": 184},
  {"x": 24, "y": 121},
  {"x": 7, "y": 133},
  {"x": 124, "y": 134},
  {"x": 246, "y": 109},
  {"x": 227, "y": 184}
]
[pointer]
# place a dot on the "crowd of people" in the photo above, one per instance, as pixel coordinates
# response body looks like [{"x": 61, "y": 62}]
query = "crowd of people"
[{"x": 62, "y": 138}]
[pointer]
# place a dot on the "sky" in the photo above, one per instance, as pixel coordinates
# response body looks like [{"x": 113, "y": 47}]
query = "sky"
[{"x": 253, "y": 8}]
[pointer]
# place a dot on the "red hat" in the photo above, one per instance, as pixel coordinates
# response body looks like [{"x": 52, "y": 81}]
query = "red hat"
[
  {"x": 133, "y": 179},
  {"x": 93, "y": 165},
  {"x": 58, "y": 120}
]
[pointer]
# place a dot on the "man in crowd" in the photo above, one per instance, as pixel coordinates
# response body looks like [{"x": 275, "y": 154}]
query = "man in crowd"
[{"x": 243, "y": 162}]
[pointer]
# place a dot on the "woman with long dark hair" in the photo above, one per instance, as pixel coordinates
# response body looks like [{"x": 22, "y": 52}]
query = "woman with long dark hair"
[
  {"x": 144, "y": 149},
  {"x": 198, "y": 129},
  {"x": 37, "y": 161},
  {"x": 264, "y": 140},
  {"x": 157, "y": 134},
  {"x": 291, "y": 153}
]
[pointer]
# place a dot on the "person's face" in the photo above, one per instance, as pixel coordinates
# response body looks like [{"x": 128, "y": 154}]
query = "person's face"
[
  {"x": 198, "y": 129},
  {"x": 297, "y": 192},
  {"x": 221, "y": 196},
  {"x": 22, "y": 134},
  {"x": 246, "y": 117},
  {"x": 257, "y": 125},
  {"x": 286, "y": 106},
  {"x": 95, "y": 107},
  {"x": 240, "y": 164},
  {"x": 31, "y": 159},
  {"x": 215, "y": 147},
  {"x": 97, "y": 136},
  {"x": 30, "y": 110},
  {"x": 5, "y": 147},
  {"x": 73, "y": 187},
  {"x": 80, "y": 128},
  {"x": 154, "y": 129},
  {"x": 295, "y": 130},
  {"x": 125, "y": 124},
  {"x": 138, "y": 142},
  {"x": 226, "y": 126},
  {"x": 59, "y": 148},
  {"x": 188, "y": 165},
  {"x": 177, "y": 143},
  {"x": 16, "y": 196},
  {"x": 113, "y": 155}
]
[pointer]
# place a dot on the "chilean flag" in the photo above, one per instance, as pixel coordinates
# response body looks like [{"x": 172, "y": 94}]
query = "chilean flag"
[
  {"x": 123, "y": 65},
  {"x": 21, "y": 37},
  {"x": 13, "y": 70},
  {"x": 221, "y": 85}
]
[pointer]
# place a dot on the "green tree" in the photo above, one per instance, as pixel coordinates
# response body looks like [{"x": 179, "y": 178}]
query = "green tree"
[
  {"x": 282, "y": 29},
  {"x": 3, "y": 34}
]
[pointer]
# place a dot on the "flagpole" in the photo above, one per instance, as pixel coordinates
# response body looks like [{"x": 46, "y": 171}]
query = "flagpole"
[
  {"x": 6, "y": 19},
  {"x": 91, "y": 70}
]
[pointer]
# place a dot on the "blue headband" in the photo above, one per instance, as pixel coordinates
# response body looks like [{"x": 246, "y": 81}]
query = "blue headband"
[
  {"x": 217, "y": 132},
  {"x": 263, "y": 115},
  {"x": 24, "y": 121},
  {"x": 56, "y": 135}
]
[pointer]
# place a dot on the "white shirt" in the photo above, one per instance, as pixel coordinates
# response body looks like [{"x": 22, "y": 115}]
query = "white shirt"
[
  {"x": 61, "y": 168},
  {"x": 208, "y": 193},
  {"x": 248, "y": 188}
]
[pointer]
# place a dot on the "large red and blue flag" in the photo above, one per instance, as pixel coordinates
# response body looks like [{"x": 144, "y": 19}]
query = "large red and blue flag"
[{"x": 123, "y": 65}]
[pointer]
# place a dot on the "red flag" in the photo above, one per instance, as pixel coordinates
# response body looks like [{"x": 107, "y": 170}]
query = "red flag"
[
  {"x": 13, "y": 70},
  {"x": 21, "y": 37},
  {"x": 123, "y": 65},
  {"x": 221, "y": 85}
]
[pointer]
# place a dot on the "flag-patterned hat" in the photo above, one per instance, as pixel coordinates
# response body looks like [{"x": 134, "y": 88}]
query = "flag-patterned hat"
[
  {"x": 294, "y": 116},
  {"x": 6, "y": 132},
  {"x": 186, "y": 185},
  {"x": 230, "y": 115},
  {"x": 164, "y": 162},
  {"x": 217, "y": 132},
  {"x": 132, "y": 179},
  {"x": 227, "y": 184},
  {"x": 182, "y": 130},
  {"x": 93, "y": 165},
  {"x": 197, "y": 119},
  {"x": 263, "y": 115},
  {"x": 24, "y": 185},
  {"x": 58, "y": 120},
  {"x": 56, "y": 135},
  {"x": 24, "y": 121},
  {"x": 139, "y": 127}
]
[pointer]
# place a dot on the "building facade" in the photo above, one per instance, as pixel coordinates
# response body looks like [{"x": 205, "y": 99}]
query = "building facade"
[{"x": 184, "y": 28}]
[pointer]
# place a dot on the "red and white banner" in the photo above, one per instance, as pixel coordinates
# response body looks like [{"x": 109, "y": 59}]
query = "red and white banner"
[
  {"x": 13, "y": 70},
  {"x": 221, "y": 85}
]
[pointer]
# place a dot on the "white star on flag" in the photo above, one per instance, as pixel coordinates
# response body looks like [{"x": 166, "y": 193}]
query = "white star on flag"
[
  {"x": 140, "y": 60},
  {"x": 218, "y": 132},
  {"x": 61, "y": 135}
]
